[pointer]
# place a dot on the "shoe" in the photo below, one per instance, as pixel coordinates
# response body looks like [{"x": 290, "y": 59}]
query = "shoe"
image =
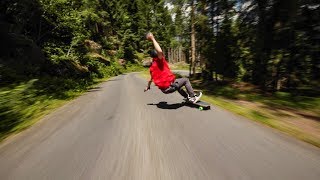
[
  {"x": 196, "y": 98},
  {"x": 186, "y": 98}
]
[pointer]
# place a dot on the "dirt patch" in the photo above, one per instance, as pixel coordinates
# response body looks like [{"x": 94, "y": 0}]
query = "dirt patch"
[{"x": 242, "y": 86}]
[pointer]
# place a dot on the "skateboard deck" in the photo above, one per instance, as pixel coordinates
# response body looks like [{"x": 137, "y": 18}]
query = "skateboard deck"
[{"x": 200, "y": 104}]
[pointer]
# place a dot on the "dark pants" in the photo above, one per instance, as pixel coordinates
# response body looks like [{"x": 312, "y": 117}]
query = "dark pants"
[{"x": 177, "y": 86}]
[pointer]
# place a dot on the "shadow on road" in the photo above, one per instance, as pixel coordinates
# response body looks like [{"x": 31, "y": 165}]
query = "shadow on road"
[{"x": 165, "y": 105}]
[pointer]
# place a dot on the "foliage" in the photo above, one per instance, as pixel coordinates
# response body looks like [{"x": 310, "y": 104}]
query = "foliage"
[
  {"x": 273, "y": 44},
  {"x": 60, "y": 29},
  {"x": 51, "y": 50}
]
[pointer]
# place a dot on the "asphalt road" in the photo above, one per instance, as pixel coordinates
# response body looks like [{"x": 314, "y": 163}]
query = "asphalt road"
[{"x": 116, "y": 131}]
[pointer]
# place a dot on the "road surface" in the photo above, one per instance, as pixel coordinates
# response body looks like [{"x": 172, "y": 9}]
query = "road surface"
[{"x": 116, "y": 131}]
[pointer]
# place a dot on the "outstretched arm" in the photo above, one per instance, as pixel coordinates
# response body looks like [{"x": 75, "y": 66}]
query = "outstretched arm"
[{"x": 156, "y": 45}]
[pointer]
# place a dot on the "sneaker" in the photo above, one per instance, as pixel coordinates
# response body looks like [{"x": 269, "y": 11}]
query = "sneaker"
[
  {"x": 196, "y": 98},
  {"x": 186, "y": 98}
]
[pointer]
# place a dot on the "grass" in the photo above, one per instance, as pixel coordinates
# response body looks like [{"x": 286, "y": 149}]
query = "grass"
[
  {"x": 182, "y": 66},
  {"x": 133, "y": 68},
  {"x": 179, "y": 66},
  {"x": 145, "y": 73},
  {"x": 23, "y": 104},
  {"x": 281, "y": 100}
]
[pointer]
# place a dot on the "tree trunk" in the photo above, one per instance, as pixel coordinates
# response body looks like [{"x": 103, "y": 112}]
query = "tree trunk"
[
  {"x": 263, "y": 50},
  {"x": 193, "y": 39}
]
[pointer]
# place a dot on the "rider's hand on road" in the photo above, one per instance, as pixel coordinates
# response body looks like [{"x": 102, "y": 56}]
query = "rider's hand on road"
[{"x": 146, "y": 89}]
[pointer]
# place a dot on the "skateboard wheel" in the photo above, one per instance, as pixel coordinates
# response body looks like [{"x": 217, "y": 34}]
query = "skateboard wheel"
[{"x": 200, "y": 108}]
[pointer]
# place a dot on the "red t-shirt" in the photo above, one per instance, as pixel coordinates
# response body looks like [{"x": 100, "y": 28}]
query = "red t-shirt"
[{"x": 161, "y": 74}]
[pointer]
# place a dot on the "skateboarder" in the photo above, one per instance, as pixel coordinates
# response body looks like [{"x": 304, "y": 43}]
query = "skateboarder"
[{"x": 162, "y": 76}]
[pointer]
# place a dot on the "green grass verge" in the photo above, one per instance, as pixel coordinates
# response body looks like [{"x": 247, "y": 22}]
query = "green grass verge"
[
  {"x": 179, "y": 66},
  {"x": 280, "y": 100},
  {"x": 145, "y": 73},
  {"x": 23, "y": 104},
  {"x": 182, "y": 66}
]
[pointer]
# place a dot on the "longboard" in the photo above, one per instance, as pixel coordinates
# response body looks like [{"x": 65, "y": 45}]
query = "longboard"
[{"x": 200, "y": 104}]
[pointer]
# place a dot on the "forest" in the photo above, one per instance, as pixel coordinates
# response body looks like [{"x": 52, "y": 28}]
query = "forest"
[
  {"x": 270, "y": 43},
  {"x": 53, "y": 47}
]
